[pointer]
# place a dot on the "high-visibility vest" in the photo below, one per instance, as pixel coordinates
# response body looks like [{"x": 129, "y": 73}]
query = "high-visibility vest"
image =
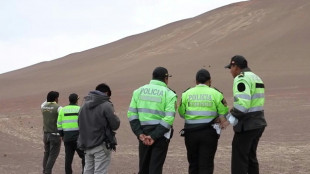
[
  {"x": 153, "y": 104},
  {"x": 68, "y": 118},
  {"x": 202, "y": 104},
  {"x": 249, "y": 92}
]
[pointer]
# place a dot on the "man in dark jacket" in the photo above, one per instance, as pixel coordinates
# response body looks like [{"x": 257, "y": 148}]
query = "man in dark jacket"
[{"x": 96, "y": 118}]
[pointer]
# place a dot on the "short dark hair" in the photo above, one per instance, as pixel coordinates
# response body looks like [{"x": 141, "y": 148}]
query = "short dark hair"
[
  {"x": 52, "y": 96},
  {"x": 73, "y": 98},
  {"x": 160, "y": 73},
  {"x": 202, "y": 76},
  {"x": 104, "y": 88}
]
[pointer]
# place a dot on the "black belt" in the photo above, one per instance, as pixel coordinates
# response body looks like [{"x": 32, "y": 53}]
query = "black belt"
[{"x": 188, "y": 130}]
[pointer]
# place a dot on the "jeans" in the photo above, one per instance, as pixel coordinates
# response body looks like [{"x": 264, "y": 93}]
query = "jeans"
[
  {"x": 70, "y": 148},
  {"x": 52, "y": 145},
  {"x": 97, "y": 160}
]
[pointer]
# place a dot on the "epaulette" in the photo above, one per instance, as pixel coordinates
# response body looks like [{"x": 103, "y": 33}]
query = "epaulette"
[
  {"x": 172, "y": 90},
  {"x": 218, "y": 90},
  {"x": 241, "y": 75},
  {"x": 187, "y": 89}
]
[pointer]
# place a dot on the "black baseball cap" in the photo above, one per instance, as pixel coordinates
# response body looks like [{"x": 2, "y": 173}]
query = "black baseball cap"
[
  {"x": 238, "y": 60},
  {"x": 161, "y": 73},
  {"x": 202, "y": 76}
]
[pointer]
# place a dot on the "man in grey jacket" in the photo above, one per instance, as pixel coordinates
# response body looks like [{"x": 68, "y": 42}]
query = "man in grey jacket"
[{"x": 96, "y": 118}]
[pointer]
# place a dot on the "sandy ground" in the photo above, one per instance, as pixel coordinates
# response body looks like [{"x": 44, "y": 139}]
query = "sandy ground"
[{"x": 284, "y": 148}]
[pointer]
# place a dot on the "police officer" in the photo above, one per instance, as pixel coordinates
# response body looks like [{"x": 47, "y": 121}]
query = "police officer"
[
  {"x": 201, "y": 106},
  {"x": 68, "y": 128},
  {"x": 151, "y": 115},
  {"x": 247, "y": 116}
]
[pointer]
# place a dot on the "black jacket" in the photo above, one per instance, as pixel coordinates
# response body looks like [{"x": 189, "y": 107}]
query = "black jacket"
[{"x": 248, "y": 121}]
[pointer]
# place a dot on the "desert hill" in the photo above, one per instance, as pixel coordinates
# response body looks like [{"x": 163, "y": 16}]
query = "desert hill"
[{"x": 274, "y": 35}]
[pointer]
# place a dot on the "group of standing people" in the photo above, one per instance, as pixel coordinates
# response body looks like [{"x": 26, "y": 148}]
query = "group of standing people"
[
  {"x": 84, "y": 130},
  {"x": 151, "y": 114}
]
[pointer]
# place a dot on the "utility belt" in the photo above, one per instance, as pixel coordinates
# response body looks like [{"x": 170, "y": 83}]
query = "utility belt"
[{"x": 185, "y": 131}]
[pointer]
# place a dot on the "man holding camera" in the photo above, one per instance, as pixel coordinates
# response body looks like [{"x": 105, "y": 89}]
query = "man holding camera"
[{"x": 96, "y": 119}]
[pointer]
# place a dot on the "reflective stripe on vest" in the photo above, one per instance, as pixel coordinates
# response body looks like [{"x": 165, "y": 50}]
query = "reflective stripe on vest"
[
  {"x": 201, "y": 113},
  {"x": 155, "y": 122},
  {"x": 153, "y": 104},
  {"x": 202, "y": 104},
  {"x": 68, "y": 118},
  {"x": 253, "y": 102}
]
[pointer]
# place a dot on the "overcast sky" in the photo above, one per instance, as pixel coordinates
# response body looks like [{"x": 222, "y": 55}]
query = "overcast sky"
[{"x": 33, "y": 31}]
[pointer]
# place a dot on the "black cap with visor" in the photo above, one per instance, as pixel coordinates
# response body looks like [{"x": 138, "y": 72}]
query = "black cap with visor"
[{"x": 238, "y": 60}]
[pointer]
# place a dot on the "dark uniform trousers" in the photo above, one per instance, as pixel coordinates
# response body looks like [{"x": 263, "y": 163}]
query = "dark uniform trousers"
[
  {"x": 52, "y": 145},
  {"x": 201, "y": 148},
  {"x": 152, "y": 158},
  {"x": 244, "y": 146},
  {"x": 70, "y": 148}
]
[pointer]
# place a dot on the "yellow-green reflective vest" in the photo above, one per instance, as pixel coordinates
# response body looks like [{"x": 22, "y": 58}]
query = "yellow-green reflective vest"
[
  {"x": 68, "y": 118},
  {"x": 202, "y": 104},
  {"x": 249, "y": 92},
  {"x": 153, "y": 104}
]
